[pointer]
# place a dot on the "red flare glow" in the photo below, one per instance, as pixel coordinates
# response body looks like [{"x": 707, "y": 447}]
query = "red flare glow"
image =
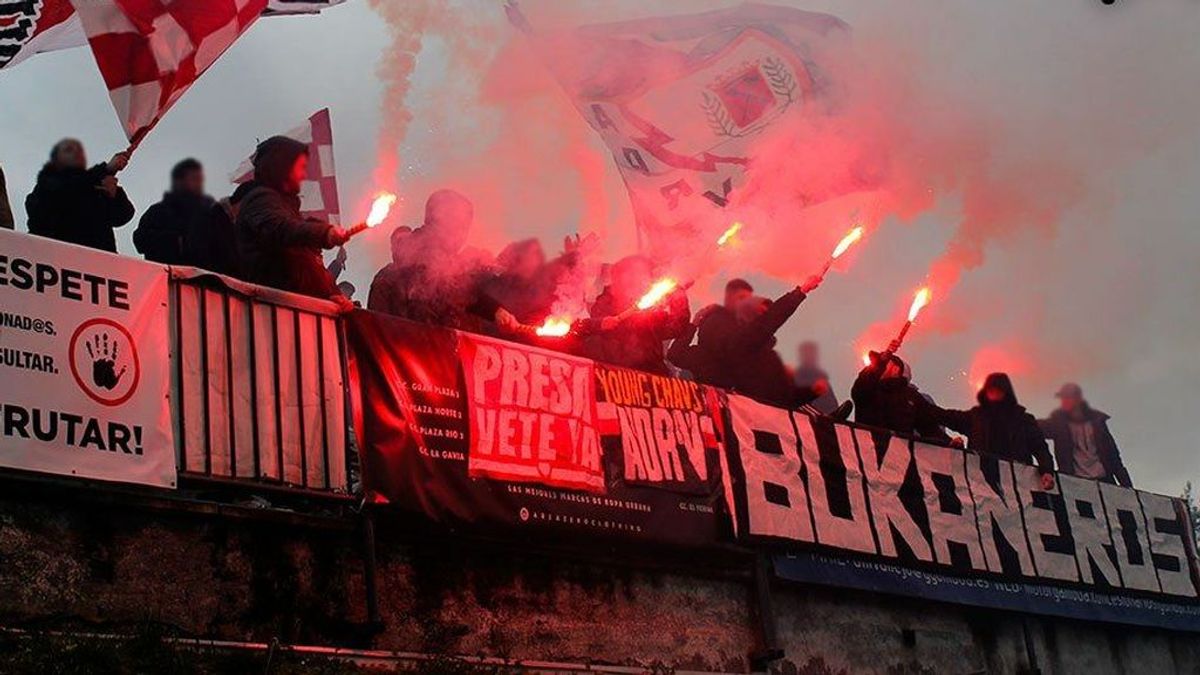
[
  {"x": 847, "y": 241},
  {"x": 866, "y": 359},
  {"x": 661, "y": 289},
  {"x": 555, "y": 326},
  {"x": 918, "y": 303},
  {"x": 380, "y": 208}
]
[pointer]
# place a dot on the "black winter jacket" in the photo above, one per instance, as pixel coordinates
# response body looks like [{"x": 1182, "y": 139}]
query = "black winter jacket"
[
  {"x": 753, "y": 364},
  {"x": 68, "y": 205},
  {"x": 162, "y": 234},
  {"x": 276, "y": 245},
  {"x": 1003, "y": 430},
  {"x": 638, "y": 341},
  {"x": 1057, "y": 428},
  {"x": 894, "y": 404}
]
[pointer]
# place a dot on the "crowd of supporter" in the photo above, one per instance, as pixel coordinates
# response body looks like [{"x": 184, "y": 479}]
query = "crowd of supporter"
[{"x": 257, "y": 234}]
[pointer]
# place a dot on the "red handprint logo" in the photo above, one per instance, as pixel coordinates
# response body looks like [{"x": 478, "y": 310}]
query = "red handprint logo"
[{"x": 104, "y": 352}]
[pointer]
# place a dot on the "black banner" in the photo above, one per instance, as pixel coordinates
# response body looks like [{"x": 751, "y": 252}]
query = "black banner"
[{"x": 416, "y": 438}]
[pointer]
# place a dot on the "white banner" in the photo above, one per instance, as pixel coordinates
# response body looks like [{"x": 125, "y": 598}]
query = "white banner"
[{"x": 84, "y": 362}]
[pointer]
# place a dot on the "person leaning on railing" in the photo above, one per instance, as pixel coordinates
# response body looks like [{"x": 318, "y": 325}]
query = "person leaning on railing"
[{"x": 277, "y": 246}]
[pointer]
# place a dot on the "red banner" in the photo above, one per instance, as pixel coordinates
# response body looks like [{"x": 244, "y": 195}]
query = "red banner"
[{"x": 532, "y": 414}]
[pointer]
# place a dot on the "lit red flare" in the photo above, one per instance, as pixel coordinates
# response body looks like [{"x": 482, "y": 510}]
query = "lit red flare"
[
  {"x": 846, "y": 242},
  {"x": 554, "y": 327},
  {"x": 919, "y": 301},
  {"x": 380, "y": 208},
  {"x": 661, "y": 289},
  {"x": 729, "y": 234},
  {"x": 866, "y": 358}
]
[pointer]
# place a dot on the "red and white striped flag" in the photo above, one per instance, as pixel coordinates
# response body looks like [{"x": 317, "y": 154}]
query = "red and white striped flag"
[
  {"x": 151, "y": 51},
  {"x": 319, "y": 192}
]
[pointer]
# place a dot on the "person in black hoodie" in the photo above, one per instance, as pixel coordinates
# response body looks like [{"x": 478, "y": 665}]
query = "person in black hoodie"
[
  {"x": 713, "y": 327},
  {"x": 162, "y": 233},
  {"x": 78, "y": 205},
  {"x": 885, "y": 397},
  {"x": 1000, "y": 427},
  {"x": 277, "y": 246}
]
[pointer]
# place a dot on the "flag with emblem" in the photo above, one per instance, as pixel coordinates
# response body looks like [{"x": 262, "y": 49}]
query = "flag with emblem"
[
  {"x": 319, "y": 193},
  {"x": 151, "y": 51},
  {"x": 683, "y": 101}
]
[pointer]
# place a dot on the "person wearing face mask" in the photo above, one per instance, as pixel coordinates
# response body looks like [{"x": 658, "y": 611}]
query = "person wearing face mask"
[
  {"x": 277, "y": 246},
  {"x": 1000, "y": 427},
  {"x": 78, "y": 205},
  {"x": 885, "y": 397}
]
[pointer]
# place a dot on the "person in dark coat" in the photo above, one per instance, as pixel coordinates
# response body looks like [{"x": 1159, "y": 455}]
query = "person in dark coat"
[
  {"x": 1083, "y": 445},
  {"x": 1000, "y": 427},
  {"x": 438, "y": 280},
  {"x": 213, "y": 244},
  {"x": 6, "y": 216},
  {"x": 757, "y": 369},
  {"x": 78, "y": 205},
  {"x": 713, "y": 327},
  {"x": 383, "y": 295},
  {"x": 810, "y": 375},
  {"x": 162, "y": 233},
  {"x": 278, "y": 247},
  {"x": 885, "y": 397},
  {"x": 618, "y": 334}
]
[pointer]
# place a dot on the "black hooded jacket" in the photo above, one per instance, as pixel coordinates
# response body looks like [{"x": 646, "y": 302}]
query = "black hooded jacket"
[
  {"x": 1057, "y": 428},
  {"x": 276, "y": 245},
  {"x": 754, "y": 366},
  {"x": 162, "y": 234},
  {"x": 68, "y": 205},
  {"x": 1003, "y": 429},
  {"x": 894, "y": 403}
]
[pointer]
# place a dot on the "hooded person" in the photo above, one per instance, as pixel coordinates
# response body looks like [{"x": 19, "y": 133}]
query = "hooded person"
[
  {"x": 162, "y": 233},
  {"x": 78, "y": 205},
  {"x": 277, "y": 246},
  {"x": 6, "y": 216},
  {"x": 1083, "y": 445},
  {"x": 618, "y": 335},
  {"x": 1000, "y": 427},
  {"x": 885, "y": 397}
]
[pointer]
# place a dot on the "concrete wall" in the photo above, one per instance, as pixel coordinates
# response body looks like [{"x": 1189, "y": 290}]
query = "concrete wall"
[{"x": 241, "y": 574}]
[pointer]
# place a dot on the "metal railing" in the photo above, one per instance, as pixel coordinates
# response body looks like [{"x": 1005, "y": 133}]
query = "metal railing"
[{"x": 258, "y": 385}]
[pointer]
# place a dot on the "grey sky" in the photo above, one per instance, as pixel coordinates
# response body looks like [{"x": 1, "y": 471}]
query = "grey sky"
[{"x": 1118, "y": 277}]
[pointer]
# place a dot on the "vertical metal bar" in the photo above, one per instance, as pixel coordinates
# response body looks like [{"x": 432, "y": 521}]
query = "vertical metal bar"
[
  {"x": 277, "y": 393},
  {"x": 204, "y": 380},
  {"x": 231, "y": 418},
  {"x": 369, "y": 571},
  {"x": 300, "y": 397},
  {"x": 254, "y": 387},
  {"x": 348, "y": 417},
  {"x": 321, "y": 385},
  {"x": 179, "y": 394}
]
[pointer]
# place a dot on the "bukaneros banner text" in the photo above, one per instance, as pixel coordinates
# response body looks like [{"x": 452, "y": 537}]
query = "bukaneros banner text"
[
  {"x": 468, "y": 429},
  {"x": 84, "y": 362},
  {"x": 473, "y": 430}
]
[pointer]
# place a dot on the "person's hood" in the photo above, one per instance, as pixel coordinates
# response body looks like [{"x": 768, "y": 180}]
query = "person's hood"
[
  {"x": 51, "y": 172},
  {"x": 273, "y": 160},
  {"x": 1001, "y": 381}
]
